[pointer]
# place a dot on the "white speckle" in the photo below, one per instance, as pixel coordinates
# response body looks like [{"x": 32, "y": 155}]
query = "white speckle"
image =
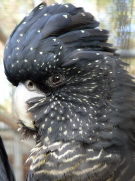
[
  {"x": 54, "y": 39},
  {"x": 66, "y": 5},
  {"x": 9, "y": 56},
  {"x": 24, "y": 22},
  {"x": 31, "y": 48},
  {"x": 12, "y": 65},
  {"x": 100, "y": 30},
  {"x": 61, "y": 47},
  {"x": 25, "y": 60},
  {"x": 97, "y": 61},
  {"x": 65, "y": 16},
  {"x": 18, "y": 40},
  {"x": 38, "y": 31},
  {"x": 41, "y": 53},
  {"x": 83, "y": 14},
  {"x": 97, "y": 53},
  {"x": 45, "y": 14},
  {"x": 58, "y": 118},
  {"x": 82, "y": 31},
  {"x": 35, "y": 60},
  {"x": 21, "y": 34},
  {"x": 17, "y": 61},
  {"x": 17, "y": 48},
  {"x": 105, "y": 57}
]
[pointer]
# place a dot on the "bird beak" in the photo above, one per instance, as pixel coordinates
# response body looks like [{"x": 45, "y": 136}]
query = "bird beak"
[{"x": 21, "y": 96}]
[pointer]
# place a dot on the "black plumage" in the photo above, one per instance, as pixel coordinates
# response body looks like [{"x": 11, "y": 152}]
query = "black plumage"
[
  {"x": 6, "y": 172},
  {"x": 73, "y": 95}
]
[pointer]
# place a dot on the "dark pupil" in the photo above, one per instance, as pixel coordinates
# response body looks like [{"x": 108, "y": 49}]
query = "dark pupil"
[
  {"x": 56, "y": 78},
  {"x": 30, "y": 84}
]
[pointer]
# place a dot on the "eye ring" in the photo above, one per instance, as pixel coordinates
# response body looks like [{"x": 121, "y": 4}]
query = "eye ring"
[{"x": 30, "y": 85}]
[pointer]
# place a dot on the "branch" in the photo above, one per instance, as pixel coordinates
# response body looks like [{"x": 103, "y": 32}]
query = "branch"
[
  {"x": 3, "y": 37},
  {"x": 9, "y": 120}
]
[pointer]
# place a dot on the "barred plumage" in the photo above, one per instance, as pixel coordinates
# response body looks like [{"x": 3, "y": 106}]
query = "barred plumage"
[{"x": 73, "y": 95}]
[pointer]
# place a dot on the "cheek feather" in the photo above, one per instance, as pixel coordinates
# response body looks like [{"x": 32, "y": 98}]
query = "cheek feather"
[{"x": 21, "y": 108}]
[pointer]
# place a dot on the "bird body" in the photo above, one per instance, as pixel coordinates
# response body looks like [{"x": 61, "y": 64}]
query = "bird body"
[
  {"x": 78, "y": 100},
  {"x": 6, "y": 172}
]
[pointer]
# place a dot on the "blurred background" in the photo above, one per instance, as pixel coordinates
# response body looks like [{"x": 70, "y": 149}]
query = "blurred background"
[{"x": 118, "y": 16}]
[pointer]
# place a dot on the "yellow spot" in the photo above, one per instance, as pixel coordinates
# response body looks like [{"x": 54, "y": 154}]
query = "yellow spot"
[
  {"x": 60, "y": 128},
  {"x": 46, "y": 139},
  {"x": 43, "y": 125},
  {"x": 25, "y": 60},
  {"x": 49, "y": 129},
  {"x": 63, "y": 118},
  {"x": 65, "y": 133}
]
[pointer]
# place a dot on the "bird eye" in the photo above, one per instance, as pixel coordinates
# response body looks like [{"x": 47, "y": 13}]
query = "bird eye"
[
  {"x": 55, "y": 80},
  {"x": 30, "y": 85}
]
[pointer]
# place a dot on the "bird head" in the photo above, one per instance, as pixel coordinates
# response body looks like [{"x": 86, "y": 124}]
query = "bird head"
[{"x": 68, "y": 83}]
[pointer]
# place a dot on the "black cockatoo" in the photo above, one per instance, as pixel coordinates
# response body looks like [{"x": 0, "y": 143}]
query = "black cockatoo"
[
  {"x": 73, "y": 95},
  {"x": 6, "y": 172}
]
